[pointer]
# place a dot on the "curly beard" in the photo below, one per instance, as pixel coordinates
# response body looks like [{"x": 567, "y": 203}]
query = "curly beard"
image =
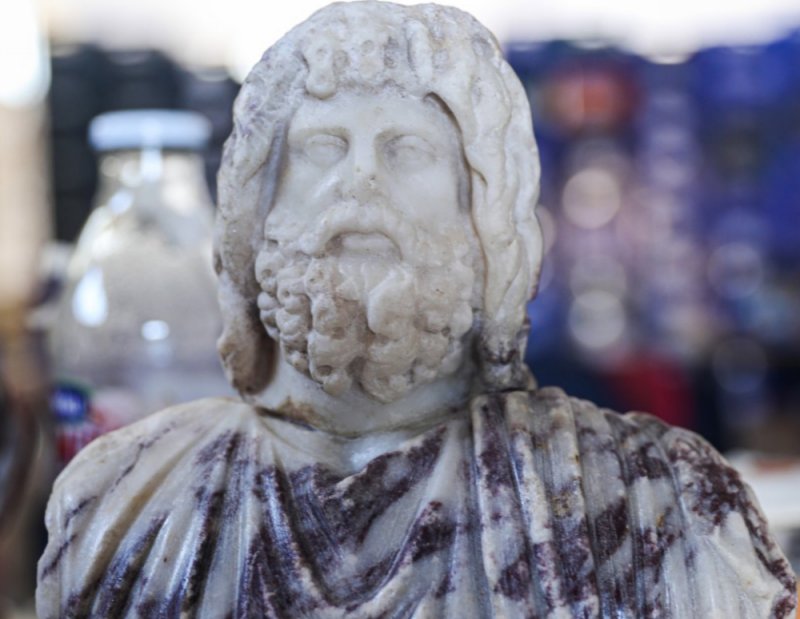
[{"x": 388, "y": 320}]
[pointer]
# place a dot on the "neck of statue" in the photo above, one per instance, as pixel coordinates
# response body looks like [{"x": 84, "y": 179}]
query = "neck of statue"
[{"x": 295, "y": 396}]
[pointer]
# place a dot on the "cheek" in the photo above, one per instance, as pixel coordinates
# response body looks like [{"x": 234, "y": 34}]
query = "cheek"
[
  {"x": 429, "y": 195},
  {"x": 303, "y": 191}
]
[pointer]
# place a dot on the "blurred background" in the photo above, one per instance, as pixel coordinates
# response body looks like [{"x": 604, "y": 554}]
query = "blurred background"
[{"x": 670, "y": 200}]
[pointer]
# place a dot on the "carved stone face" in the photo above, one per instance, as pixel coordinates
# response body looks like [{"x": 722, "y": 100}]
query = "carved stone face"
[
  {"x": 367, "y": 267},
  {"x": 394, "y": 151}
]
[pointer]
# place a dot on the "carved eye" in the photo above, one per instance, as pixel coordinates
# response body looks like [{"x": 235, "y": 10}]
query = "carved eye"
[
  {"x": 324, "y": 149},
  {"x": 409, "y": 152}
]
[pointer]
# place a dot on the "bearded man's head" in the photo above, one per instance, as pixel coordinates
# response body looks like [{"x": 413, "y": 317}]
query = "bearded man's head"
[{"x": 377, "y": 205}]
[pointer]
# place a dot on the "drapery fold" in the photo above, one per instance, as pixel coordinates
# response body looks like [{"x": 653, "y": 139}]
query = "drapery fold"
[{"x": 527, "y": 504}]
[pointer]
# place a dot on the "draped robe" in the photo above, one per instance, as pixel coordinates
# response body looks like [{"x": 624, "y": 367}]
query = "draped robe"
[{"x": 524, "y": 504}]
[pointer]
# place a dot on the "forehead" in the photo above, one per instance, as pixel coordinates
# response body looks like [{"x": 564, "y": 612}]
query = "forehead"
[{"x": 350, "y": 111}]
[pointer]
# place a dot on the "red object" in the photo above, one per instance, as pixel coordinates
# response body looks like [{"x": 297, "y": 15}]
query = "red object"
[
  {"x": 72, "y": 437},
  {"x": 654, "y": 385}
]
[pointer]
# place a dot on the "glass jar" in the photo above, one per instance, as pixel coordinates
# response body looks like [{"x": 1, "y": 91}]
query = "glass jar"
[{"x": 137, "y": 324}]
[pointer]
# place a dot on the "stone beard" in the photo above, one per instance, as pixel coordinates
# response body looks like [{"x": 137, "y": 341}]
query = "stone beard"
[{"x": 387, "y": 321}]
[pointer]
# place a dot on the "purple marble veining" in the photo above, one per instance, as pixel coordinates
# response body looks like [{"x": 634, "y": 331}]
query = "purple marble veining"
[{"x": 533, "y": 505}]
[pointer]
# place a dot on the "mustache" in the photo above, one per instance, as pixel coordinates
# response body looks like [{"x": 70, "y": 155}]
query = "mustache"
[
  {"x": 353, "y": 218},
  {"x": 416, "y": 243}
]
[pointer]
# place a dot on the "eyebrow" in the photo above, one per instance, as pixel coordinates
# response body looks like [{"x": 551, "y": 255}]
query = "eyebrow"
[
  {"x": 429, "y": 131},
  {"x": 306, "y": 131}
]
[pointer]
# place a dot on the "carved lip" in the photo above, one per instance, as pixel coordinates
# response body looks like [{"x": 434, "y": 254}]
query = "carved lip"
[{"x": 365, "y": 243}]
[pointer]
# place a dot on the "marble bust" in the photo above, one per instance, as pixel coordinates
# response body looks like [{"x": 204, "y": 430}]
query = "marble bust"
[{"x": 391, "y": 455}]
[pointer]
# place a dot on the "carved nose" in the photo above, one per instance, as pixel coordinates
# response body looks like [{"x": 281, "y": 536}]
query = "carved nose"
[{"x": 365, "y": 185}]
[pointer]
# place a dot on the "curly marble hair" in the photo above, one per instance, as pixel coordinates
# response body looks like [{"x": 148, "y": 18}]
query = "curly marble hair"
[{"x": 423, "y": 50}]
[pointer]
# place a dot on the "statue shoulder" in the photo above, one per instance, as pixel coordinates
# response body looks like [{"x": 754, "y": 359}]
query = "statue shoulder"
[
  {"x": 727, "y": 521},
  {"x": 661, "y": 497},
  {"x": 121, "y": 486},
  {"x": 165, "y": 435}
]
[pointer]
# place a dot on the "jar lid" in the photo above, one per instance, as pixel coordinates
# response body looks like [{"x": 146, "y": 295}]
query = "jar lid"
[{"x": 135, "y": 129}]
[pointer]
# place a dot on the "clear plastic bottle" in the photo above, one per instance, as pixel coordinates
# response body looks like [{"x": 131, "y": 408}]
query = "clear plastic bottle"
[{"x": 137, "y": 324}]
